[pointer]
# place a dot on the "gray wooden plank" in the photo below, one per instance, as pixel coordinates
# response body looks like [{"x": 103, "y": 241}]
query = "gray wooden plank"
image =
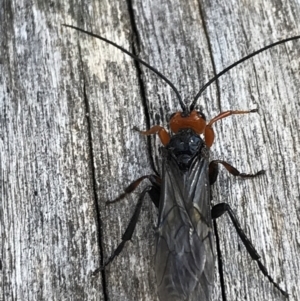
[
  {"x": 120, "y": 154},
  {"x": 48, "y": 231},
  {"x": 267, "y": 206},
  {"x": 226, "y": 27}
]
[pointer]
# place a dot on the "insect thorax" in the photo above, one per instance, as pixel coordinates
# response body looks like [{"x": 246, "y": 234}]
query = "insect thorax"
[{"x": 184, "y": 147}]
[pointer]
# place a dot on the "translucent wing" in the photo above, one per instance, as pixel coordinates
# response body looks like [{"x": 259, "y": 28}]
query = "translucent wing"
[{"x": 184, "y": 254}]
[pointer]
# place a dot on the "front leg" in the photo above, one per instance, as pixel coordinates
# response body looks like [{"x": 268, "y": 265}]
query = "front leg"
[{"x": 163, "y": 135}]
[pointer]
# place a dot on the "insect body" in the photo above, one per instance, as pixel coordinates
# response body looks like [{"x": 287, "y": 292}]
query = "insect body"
[{"x": 184, "y": 248}]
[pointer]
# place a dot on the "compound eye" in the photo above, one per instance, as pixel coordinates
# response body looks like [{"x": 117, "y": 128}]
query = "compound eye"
[{"x": 201, "y": 115}]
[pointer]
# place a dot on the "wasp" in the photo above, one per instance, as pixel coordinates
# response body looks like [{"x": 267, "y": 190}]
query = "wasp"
[{"x": 184, "y": 246}]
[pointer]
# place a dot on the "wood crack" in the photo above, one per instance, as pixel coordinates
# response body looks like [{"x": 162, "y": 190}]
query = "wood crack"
[
  {"x": 94, "y": 184},
  {"x": 135, "y": 48},
  {"x": 203, "y": 19}
]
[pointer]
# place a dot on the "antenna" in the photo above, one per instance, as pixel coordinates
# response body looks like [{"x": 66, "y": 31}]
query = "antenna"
[
  {"x": 235, "y": 64},
  {"x": 183, "y": 106}
]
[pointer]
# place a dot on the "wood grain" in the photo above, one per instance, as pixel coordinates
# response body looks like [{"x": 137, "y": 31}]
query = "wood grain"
[{"x": 67, "y": 107}]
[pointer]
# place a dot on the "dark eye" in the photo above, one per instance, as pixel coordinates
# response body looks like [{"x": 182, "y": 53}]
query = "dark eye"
[{"x": 200, "y": 114}]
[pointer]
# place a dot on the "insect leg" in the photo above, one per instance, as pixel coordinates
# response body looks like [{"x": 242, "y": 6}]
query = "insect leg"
[
  {"x": 209, "y": 132},
  {"x": 219, "y": 210},
  {"x": 155, "y": 181},
  {"x": 153, "y": 192},
  {"x": 214, "y": 170},
  {"x": 163, "y": 135}
]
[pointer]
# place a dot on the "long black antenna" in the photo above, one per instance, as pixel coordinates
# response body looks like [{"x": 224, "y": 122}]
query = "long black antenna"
[
  {"x": 235, "y": 64},
  {"x": 183, "y": 106}
]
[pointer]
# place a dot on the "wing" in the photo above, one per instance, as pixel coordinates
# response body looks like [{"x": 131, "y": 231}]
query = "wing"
[{"x": 184, "y": 254}]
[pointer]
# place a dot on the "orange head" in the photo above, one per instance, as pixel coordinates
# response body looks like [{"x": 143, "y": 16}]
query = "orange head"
[{"x": 194, "y": 120}]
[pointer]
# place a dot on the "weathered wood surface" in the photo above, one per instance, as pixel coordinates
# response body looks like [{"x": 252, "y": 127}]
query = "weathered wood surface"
[{"x": 68, "y": 103}]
